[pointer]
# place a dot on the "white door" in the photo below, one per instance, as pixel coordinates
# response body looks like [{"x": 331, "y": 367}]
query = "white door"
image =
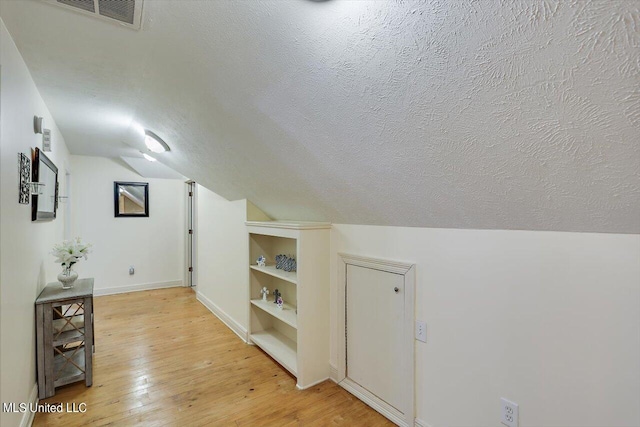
[{"x": 375, "y": 310}]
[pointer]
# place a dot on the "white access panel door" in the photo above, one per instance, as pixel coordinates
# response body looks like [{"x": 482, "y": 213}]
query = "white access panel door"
[{"x": 375, "y": 307}]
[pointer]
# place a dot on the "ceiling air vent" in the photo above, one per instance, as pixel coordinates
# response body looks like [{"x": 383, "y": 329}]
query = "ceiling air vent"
[
  {"x": 81, "y": 4},
  {"x": 124, "y": 12}
]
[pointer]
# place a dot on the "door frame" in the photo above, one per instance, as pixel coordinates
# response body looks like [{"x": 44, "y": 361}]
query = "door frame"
[
  {"x": 66, "y": 199},
  {"x": 191, "y": 240},
  {"x": 402, "y": 418}
]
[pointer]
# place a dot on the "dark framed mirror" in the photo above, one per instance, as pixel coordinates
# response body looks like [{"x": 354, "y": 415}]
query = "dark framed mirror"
[
  {"x": 44, "y": 204},
  {"x": 131, "y": 199}
]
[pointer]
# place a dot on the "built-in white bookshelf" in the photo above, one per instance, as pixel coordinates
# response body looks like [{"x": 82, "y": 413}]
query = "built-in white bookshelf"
[{"x": 296, "y": 336}]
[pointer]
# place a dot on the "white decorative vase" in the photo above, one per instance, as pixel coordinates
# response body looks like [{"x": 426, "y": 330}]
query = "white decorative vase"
[{"x": 67, "y": 277}]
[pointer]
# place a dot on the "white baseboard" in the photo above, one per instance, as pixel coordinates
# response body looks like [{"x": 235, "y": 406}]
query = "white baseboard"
[
  {"x": 224, "y": 317},
  {"x": 312, "y": 384},
  {"x": 420, "y": 423},
  {"x": 136, "y": 288},
  {"x": 333, "y": 373},
  {"x": 376, "y": 403},
  {"x": 27, "y": 416}
]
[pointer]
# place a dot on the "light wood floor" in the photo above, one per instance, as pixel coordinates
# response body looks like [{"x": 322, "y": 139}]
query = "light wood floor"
[{"x": 162, "y": 359}]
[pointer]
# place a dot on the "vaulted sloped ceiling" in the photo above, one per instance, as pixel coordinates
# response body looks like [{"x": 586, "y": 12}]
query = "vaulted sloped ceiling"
[{"x": 506, "y": 115}]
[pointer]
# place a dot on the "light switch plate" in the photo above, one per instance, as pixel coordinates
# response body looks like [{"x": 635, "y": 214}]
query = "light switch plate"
[{"x": 46, "y": 140}]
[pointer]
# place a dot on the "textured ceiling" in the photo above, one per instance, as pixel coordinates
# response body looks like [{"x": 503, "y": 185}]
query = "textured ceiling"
[{"x": 506, "y": 115}]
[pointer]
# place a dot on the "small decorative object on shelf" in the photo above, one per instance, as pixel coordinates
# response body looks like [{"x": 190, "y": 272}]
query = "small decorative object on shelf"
[
  {"x": 264, "y": 291},
  {"x": 67, "y": 277},
  {"x": 261, "y": 261},
  {"x": 280, "y": 303},
  {"x": 276, "y": 295},
  {"x": 285, "y": 263},
  {"x": 67, "y": 254}
]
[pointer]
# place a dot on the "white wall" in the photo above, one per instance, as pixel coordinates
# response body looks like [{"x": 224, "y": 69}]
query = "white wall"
[
  {"x": 25, "y": 263},
  {"x": 548, "y": 320},
  {"x": 155, "y": 246},
  {"x": 222, "y": 258}
]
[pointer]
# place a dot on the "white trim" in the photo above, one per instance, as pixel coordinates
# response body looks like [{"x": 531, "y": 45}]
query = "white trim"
[
  {"x": 333, "y": 372},
  {"x": 375, "y": 402},
  {"x": 421, "y": 423},
  {"x": 397, "y": 267},
  {"x": 224, "y": 317},
  {"x": 136, "y": 288},
  {"x": 312, "y": 384},
  {"x": 27, "y": 416},
  {"x": 408, "y": 271},
  {"x": 294, "y": 225},
  {"x": 67, "y": 206},
  {"x": 194, "y": 238}
]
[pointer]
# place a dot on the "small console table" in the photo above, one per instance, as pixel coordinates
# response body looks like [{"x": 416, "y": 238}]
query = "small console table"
[{"x": 64, "y": 335}]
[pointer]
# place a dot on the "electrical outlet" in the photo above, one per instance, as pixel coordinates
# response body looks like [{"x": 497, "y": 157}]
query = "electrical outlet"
[
  {"x": 421, "y": 331},
  {"x": 132, "y": 270},
  {"x": 509, "y": 413}
]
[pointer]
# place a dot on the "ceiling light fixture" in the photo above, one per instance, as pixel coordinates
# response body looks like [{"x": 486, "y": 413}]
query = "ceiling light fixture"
[
  {"x": 155, "y": 143},
  {"x": 148, "y": 157}
]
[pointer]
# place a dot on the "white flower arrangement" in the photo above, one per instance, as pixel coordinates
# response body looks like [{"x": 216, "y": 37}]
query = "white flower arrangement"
[{"x": 69, "y": 252}]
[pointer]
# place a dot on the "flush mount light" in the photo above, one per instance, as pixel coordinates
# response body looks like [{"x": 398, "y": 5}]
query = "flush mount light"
[
  {"x": 148, "y": 157},
  {"x": 155, "y": 143}
]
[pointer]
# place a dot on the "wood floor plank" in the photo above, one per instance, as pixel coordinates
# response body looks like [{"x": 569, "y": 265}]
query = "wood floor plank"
[{"x": 162, "y": 359}]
